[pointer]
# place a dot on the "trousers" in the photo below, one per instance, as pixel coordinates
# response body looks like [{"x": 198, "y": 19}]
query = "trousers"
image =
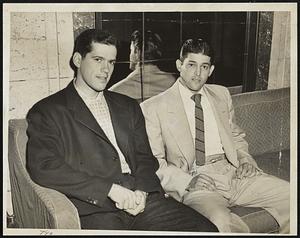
[
  {"x": 266, "y": 191},
  {"x": 161, "y": 214}
]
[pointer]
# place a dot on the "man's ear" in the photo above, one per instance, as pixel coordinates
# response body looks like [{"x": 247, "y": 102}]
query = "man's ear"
[
  {"x": 212, "y": 67},
  {"x": 77, "y": 59},
  {"x": 178, "y": 65}
]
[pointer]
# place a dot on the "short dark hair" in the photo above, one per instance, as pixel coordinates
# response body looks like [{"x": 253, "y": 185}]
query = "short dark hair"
[
  {"x": 83, "y": 42},
  {"x": 196, "y": 46},
  {"x": 152, "y": 44}
]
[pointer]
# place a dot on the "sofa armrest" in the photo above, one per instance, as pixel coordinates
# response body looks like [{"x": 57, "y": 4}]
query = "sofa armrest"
[
  {"x": 38, "y": 207},
  {"x": 35, "y": 206},
  {"x": 59, "y": 211}
]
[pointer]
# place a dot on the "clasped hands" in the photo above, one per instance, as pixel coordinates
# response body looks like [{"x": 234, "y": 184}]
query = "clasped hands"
[
  {"x": 205, "y": 182},
  {"x": 133, "y": 202}
]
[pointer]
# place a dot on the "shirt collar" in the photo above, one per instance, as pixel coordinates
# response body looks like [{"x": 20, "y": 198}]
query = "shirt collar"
[
  {"x": 186, "y": 93},
  {"x": 84, "y": 96}
]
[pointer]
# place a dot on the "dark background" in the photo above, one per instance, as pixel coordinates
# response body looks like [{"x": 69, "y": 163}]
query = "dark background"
[{"x": 225, "y": 31}]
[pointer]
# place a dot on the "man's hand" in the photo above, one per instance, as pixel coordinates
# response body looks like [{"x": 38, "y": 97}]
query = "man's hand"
[
  {"x": 246, "y": 170},
  {"x": 140, "y": 201},
  {"x": 201, "y": 182},
  {"x": 123, "y": 197}
]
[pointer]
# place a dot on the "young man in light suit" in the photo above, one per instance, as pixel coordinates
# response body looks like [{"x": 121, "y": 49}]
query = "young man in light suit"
[
  {"x": 227, "y": 175},
  {"x": 91, "y": 145}
]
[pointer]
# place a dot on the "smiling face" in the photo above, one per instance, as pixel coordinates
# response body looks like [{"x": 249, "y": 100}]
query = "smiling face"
[
  {"x": 194, "y": 70},
  {"x": 96, "y": 68}
]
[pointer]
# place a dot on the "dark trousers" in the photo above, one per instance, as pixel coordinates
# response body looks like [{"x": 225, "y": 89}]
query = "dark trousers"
[{"x": 160, "y": 214}]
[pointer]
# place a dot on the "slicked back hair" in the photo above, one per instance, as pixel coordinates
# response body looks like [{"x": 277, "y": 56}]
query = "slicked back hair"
[
  {"x": 196, "y": 46},
  {"x": 83, "y": 43},
  {"x": 152, "y": 44}
]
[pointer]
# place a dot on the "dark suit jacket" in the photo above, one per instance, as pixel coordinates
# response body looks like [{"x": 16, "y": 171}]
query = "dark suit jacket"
[{"x": 69, "y": 152}]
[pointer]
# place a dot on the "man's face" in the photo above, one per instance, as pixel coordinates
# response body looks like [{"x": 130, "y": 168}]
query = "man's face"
[
  {"x": 96, "y": 68},
  {"x": 194, "y": 71},
  {"x": 133, "y": 57}
]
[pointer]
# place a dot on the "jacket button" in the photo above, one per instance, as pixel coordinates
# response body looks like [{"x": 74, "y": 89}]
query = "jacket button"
[{"x": 95, "y": 201}]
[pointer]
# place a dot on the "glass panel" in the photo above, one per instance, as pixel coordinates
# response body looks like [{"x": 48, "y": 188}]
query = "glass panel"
[
  {"x": 196, "y": 25},
  {"x": 161, "y": 35},
  {"x": 121, "y": 24},
  {"x": 225, "y": 31},
  {"x": 167, "y": 26},
  {"x": 230, "y": 67}
]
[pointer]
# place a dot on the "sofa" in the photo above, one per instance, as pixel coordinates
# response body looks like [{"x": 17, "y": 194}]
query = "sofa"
[
  {"x": 264, "y": 115},
  {"x": 265, "y": 118}
]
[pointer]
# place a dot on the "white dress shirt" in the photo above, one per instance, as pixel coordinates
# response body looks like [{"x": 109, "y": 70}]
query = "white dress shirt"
[{"x": 213, "y": 143}]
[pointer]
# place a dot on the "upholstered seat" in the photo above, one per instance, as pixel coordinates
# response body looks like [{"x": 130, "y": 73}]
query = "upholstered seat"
[{"x": 260, "y": 114}]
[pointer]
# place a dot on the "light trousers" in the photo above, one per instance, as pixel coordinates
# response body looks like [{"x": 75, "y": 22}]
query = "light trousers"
[{"x": 266, "y": 191}]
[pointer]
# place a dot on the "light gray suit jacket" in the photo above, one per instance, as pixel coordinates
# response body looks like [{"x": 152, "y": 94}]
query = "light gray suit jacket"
[
  {"x": 155, "y": 81},
  {"x": 171, "y": 140}
]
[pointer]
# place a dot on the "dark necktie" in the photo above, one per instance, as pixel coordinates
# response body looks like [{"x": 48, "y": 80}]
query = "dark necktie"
[{"x": 199, "y": 135}]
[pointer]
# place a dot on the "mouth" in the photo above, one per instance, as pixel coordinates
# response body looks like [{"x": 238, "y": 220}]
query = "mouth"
[
  {"x": 196, "y": 79},
  {"x": 101, "y": 77}
]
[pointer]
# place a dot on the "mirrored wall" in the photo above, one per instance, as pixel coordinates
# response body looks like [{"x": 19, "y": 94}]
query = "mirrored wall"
[{"x": 241, "y": 43}]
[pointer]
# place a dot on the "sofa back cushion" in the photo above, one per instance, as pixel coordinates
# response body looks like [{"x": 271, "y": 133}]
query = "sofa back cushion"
[{"x": 265, "y": 117}]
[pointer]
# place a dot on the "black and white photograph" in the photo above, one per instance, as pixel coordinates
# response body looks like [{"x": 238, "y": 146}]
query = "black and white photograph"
[{"x": 150, "y": 119}]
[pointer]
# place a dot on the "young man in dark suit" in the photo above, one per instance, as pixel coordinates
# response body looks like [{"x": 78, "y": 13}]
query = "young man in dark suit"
[{"x": 91, "y": 145}]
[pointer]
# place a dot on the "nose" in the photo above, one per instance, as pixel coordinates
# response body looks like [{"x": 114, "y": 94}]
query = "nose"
[
  {"x": 198, "y": 70},
  {"x": 105, "y": 66}
]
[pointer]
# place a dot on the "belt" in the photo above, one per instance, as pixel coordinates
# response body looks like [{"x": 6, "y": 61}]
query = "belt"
[
  {"x": 214, "y": 158},
  {"x": 208, "y": 160}
]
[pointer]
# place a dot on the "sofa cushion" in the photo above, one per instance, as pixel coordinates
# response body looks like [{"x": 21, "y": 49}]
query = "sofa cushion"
[
  {"x": 275, "y": 163},
  {"x": 257, "y": 219}
]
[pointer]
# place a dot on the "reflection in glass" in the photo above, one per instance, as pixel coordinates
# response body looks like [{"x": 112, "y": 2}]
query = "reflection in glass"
[
  {"x": 226, "y": 32},
  {"x": 147, "y": 79}
]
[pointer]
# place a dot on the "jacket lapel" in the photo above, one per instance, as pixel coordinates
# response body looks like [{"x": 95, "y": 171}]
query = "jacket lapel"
[
  {"x": 219, "y": 108},
  {"x": 179, "y": 126},
  {"x": 81, "y": 112},
  {"x": 120, "y": 123}
]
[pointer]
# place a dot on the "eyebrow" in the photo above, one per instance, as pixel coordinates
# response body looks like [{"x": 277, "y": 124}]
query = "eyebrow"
[
  {"x": 193, "y": 61},
  {"x": 96, "y": 56}
]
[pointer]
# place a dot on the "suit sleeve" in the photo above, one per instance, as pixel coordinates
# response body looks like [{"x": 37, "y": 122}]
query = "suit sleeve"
[
  {"x": 238, "y": 135},
  {"x": 173, "y": 179},
  {"x": 47, "y": 165},
  {"x": 145, "y": 175}
]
